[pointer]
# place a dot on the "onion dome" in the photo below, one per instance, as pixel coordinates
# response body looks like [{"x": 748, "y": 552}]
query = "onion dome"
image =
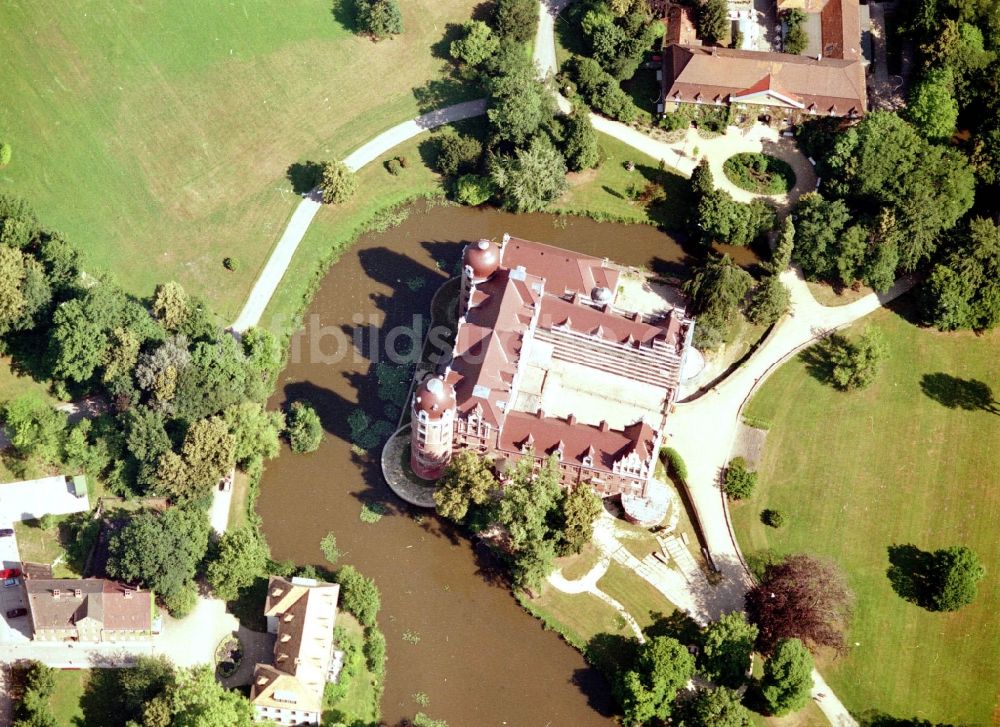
[
  {"x": 482, "y": 258},
  {"x": 601, "y": 295},
  {"x": 434, "y": 396}
]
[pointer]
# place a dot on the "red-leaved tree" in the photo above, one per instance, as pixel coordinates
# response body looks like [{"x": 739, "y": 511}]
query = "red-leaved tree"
[{"x": 802, "y": 597}]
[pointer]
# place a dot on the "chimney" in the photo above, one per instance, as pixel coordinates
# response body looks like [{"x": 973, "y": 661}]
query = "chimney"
[
  {"x": 77, "y": 592},
  {"x": 56, "y": 593},
  {"x": 127, "y": 593},
  {"x": 604, "y": 426},
  {"x": 571, "y": 419}
]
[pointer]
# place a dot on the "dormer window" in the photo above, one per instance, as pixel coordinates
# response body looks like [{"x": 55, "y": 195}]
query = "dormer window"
[{"x": 588, "y": 461}]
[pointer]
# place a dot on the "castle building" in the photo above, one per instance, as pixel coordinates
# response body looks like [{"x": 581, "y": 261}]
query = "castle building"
[{"x": 546, "y": 363}]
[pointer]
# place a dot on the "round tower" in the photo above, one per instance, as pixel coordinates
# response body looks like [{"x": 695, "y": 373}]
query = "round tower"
[
  {"x": 432, "y": 427},
  {"x": 479, "y": 261}
]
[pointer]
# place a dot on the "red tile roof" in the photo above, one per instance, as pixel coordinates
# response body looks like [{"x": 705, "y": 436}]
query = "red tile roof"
[
  {"x": 565, "y": 271},
  {"x": 708, "y": 75},
  {"x": 488, "y": 343}
]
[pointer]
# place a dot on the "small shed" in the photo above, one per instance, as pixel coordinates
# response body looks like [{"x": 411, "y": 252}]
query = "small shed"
[{"x": 78, "y": 485}]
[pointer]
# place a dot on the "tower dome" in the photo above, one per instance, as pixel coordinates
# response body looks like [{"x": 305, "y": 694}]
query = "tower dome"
[
  {"x": 481, "y": 259},
  {"x": 434, "y": 397}
]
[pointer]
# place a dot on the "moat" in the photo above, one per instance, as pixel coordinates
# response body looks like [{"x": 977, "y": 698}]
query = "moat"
[{"x": 479, "y": 658}]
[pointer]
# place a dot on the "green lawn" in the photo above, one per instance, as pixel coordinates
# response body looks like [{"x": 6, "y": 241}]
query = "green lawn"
[
  {"x": 65, "y": 700},
  {"x": 158, "y": 135},
  {"x": 645, "y": 603},
  {"x": 608, "y": 192},
  {"x": 578, "y": 616},
  {"x": 574, "y": 567},
  {"x": 859, "y": 472}
]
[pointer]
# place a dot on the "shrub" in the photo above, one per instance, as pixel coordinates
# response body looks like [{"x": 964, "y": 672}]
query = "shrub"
[
  {"x": 772, "y": 518},
  {"x": 5, "y": 153},
  {"x": 403, "y": 161},
  {"x": 796, "y": 38},
  {"x": 600, "y": 90},
  {"x": 338, "y": 183},
  {"x": 675, "y": 463},
  {"x": 740, "y": 480},
  {"x": 759, "y": 173},
  {"x": 305, "y": 430},
  {"x": 231, "y": 263},
  {"x": 359, "y": 595},
  {"x": 473, "y": 190},
  {"x": 375, "y": 651},
  {"x": 394, "y": 167},
  {"x": 181, "y": 603}
]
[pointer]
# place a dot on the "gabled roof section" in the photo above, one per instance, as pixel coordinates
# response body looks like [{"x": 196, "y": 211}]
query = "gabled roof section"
[
  {"x": 767, "y": 86},
  {"x": 565, "y": 271},
  {"x": 306, "y": 612},
  {"x": 829, "y": 86},
  {"x": 488, "y": 344}
]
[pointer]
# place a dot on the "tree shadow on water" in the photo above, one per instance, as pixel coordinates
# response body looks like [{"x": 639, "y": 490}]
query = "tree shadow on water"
[
  {"x": 911, "y": 574},
  {"x": 956, "y": 393}
]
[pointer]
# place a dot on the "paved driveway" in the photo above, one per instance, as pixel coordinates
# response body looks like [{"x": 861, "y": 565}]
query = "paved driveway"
[{"x": 30, "y": 499}]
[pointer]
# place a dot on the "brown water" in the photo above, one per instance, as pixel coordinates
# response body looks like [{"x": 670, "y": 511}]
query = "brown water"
[{"x": 480, "y": 658}]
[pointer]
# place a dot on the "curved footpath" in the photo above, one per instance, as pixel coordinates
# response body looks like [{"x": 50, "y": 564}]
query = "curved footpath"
[{"x": 269, "y": 278}]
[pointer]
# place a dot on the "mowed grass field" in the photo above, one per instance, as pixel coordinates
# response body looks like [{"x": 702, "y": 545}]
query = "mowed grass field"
[
  {"x": 858, "y": 472},
  {"x": 157, "y": 135}
]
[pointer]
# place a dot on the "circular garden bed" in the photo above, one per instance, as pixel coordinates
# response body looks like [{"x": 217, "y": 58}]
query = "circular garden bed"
[
  {"x": 228, "y": 655},
  {"x": 759, "y": 173}
]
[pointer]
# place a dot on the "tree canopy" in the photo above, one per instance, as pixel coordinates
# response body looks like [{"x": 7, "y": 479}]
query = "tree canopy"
[
  {"x": 159, "y": 550},
  {"x": 727, "y": 645},
  {"x": 801, "y": 597},
  {"x": 717, "y": 289},
  {"x": 787, "y": 677},
  {"x": 647, "y": 690}
]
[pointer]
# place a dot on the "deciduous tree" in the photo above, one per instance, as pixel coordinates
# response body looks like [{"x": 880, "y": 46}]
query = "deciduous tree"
[
  {"x": 159, "y": 550},
  {"x": 580, "y": 508},
  {"x": 532, "y": 178},
  {"x": 726, "y": 649},
  {"x": 787, "y": 678},
  {"x": 242, "y": 557},
  {"x": 801, "y": 597},
  {"x": 476, "y": 44},
  {"x": 647, "y": 690},
  {"x": 467, "y": 480},
  {"x": 963, "y": 290},
  {"x": 305, "y": 430},
  {"x": 932, "y": 107}
]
